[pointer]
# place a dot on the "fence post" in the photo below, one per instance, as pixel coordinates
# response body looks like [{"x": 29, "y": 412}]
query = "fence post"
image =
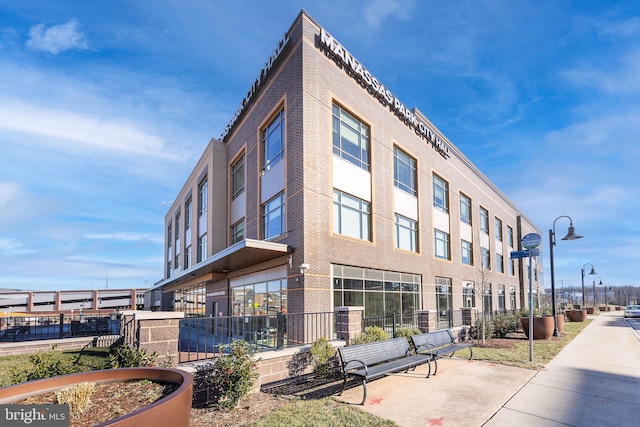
[
  {"x": 279, "y": 331},
  {"x": 61, "y": 325},
  {"x": 393, "y": 327}
]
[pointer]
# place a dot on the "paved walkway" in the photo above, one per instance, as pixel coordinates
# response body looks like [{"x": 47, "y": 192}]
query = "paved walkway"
[{"x": 593, "y": 381}]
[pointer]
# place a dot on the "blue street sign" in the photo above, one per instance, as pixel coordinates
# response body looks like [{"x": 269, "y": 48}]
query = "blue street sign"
[{"x": 524, "y": 254}]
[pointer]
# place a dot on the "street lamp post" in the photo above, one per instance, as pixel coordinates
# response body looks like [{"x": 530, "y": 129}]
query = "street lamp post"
[
  {"x": 571, "y": 235},
  {"x": 593, "y": 271},
  {"x": 594, "y": 292}
]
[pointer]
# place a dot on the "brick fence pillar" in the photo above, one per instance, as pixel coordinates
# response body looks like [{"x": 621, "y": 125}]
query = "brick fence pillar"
[
  {"x": 156, "y": 331},
  {"x": 423, "y": 321},
  {"x": 349, "y": 322}
]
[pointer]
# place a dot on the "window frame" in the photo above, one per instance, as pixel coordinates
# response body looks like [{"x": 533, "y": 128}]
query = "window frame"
[
  {"x": 237, "y": 177},
  {"x": 363, "y": 211},
  {"x": 361, "y": 131},
  {"x": 440, "y": 187},
  {"x": 276, "y": 124},
  {"x": 465, "y": 208},
  {"x": 464, "y": 249},
  {"x": 442, "y": 238},
  {"x": 403, "y": 162},
  {"x": 270, "y": 207},
  {"x": 410, "y": 226},
  {"x": 484, "y": 220}
]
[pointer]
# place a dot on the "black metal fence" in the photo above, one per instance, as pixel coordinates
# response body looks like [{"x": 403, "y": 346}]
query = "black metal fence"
[
  {"x": 33, "y": 328},
  {"x": 204, "y": 337}
]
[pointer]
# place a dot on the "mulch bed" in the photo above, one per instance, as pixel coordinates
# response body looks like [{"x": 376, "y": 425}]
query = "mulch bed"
[{"x": 110, "y": 400}]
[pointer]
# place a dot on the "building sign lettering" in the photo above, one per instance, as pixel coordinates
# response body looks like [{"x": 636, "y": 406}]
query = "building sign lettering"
[
  {"x": 377, "y": 89},
  {"x": 256, "y": 85}
]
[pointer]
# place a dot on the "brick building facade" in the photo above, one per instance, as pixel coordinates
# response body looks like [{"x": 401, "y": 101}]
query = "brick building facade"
[{"x": 326, "y": 191}]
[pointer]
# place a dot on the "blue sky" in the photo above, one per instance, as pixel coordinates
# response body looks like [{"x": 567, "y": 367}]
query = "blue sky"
[{"x": 106, "y": 106}]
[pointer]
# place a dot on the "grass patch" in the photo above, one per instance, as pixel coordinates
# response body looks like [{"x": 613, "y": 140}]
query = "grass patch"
[
  {"x": 517, "y": 354},
  {"x": 320, "y": 412},
  {"x": 87, "y": 360}
]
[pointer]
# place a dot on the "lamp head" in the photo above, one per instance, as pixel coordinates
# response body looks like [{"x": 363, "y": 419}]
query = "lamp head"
[
  {"x": 571, "y": 234},
  {"x": 593, "y": 271}
]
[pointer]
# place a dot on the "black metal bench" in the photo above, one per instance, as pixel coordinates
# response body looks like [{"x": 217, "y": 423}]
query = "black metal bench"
[
  {"x": 438, "y": 343},
  {"x": 376, "y": 359}
]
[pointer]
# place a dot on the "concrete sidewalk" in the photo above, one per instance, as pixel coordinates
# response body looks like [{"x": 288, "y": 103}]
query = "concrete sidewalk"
[{"x": 594, "y": 381}]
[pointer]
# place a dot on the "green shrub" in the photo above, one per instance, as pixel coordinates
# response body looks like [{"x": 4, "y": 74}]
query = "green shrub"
[
  {"x": 130, "y": 356},
  {"x": 407, "y": 333},
  {"x": 371, "y": 334},
  {"x": 233, "y": 375},
  {"x": 476, "y": 330},
  {"x": 321, "y": 355},
  {"x": 504, "y": 324},
  {"x": 44, "y": 365}
]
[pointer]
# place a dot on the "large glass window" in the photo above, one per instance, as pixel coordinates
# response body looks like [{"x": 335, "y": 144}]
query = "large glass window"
[
  {"x": 498, "y": 225},
  {"x": 465, "y": 209},
  {"x": 486, "y": 259},
  {"x": 351, "y": 216},
  {"x": 404, "y": 171},
  {"x": 202, "y": 248},
  {"x": 237, "y": 177},
  {"x": 273, "y": 215},
  {"x": 484, "y": 220},
  {"x": 468, "y": 295},
  {"x": 350, "y": 138},
  {"x": 441, "y": 240},
  {"x": 261, "y": 298},
  {"x": 467, "y": 252},
  {"x": 177, "y": 242},
  {"x": 406, "y": 233},
  {"x": 501, "y": 299},
  {"x": 389, "y": 293},
  {"x": 237, "y": 231},
  {"x": 509, "y": 236},
  {"x": 499, "y": 263},
  {"x": 440, "y": 193},
  {"x": 203, "y": 191},
  {"x": 273, "y": 141}
]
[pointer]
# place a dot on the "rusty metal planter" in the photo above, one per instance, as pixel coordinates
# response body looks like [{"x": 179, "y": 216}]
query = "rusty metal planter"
[{"x": 172, "y": 410}]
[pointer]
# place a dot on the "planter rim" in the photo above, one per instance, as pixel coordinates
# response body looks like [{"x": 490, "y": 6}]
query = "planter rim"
[{"x": 19, "y": 391}]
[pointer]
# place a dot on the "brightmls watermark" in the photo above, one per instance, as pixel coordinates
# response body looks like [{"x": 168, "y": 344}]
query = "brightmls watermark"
[{"x": 34, "y": 415}]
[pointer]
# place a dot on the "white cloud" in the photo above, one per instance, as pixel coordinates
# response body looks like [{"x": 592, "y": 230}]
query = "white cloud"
[
  {"x": 10, "y": 247},
  {"x": 127, "y": 237},
  {"x": 379, "y": 10},
  {"x": 9, "y": 192},
  {"x": 57, "y": 38},
  {"x": 71, "y": 131}
]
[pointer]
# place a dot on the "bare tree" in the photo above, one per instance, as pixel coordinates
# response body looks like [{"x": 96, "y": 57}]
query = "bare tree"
[{"x": 485, "y": 273}]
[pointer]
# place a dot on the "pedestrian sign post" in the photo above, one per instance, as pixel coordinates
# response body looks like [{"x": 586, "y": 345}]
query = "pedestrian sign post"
[{"x": 531, "y": 241}]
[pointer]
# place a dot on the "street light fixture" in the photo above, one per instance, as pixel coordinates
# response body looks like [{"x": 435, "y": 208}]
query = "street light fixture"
[
  {"x": 606, "y": 303},
  {"x": 594, "y": 291},
  {"x": 593, "y": 271},
  {"x": 571, "y": 235}
]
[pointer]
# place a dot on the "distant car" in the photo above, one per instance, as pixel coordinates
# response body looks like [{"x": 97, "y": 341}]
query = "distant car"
[{"x": 632, "y": 311}]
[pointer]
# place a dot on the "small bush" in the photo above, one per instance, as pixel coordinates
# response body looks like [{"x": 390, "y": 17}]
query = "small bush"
[
  {"x": 475, "y": 331},
  {"x": 371, "y": 334},
  {"x": 407, "y": 333},
  {"x": 504, "y": 324},
  {"x": 130, "y": 356},
  {"x": 321, "y": 355},
  {"x": 45, "y": 364},
  {"x": 233, "y": 375},
  {"x": 77, "y": 396}
]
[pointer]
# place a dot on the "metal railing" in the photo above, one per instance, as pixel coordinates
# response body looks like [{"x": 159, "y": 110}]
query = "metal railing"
[
  {"x": 34, "y": 328},
  {"x": 205, "y": 337}
]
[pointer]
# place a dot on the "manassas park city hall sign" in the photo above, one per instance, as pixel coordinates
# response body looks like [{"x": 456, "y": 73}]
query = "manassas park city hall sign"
[
  {"x": 377, "y": 89},
  {"x": 354, "y": 68}
]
